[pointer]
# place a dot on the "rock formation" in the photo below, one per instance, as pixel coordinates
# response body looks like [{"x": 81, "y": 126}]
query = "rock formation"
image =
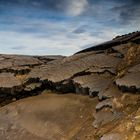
[{"x": 109, "y": 73}]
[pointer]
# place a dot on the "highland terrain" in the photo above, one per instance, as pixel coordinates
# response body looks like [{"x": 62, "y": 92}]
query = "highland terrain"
[{"x": 92, "y": 95}]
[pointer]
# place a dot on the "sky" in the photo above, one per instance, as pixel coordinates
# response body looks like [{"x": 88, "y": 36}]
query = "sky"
[{"x": 63, "y": 27}]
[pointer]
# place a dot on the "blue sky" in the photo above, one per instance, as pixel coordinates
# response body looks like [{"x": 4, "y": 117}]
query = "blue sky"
[{"x": 63, "y": 27}]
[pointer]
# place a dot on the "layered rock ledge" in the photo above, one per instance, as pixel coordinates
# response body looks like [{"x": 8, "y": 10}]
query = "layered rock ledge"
[{"x": 109, "y": 73}]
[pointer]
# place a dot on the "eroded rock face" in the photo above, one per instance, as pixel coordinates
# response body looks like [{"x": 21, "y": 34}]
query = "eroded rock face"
[
  {"x": 69, "y": 117},
  {"x": 94, "y": 83},
  {"x": 129, "y": 79},
  {"x": 133, "y": 37},
  {"x": 8, "y": 80},
  {"x": 72, "y": 66},
  {"x": 88, "y": 72},
  {"x": 9, "y": 84},
  {"x": 109, "y": 72},
  {"x": 13, "y": 72},
  {"x": 130, "y": 82}
]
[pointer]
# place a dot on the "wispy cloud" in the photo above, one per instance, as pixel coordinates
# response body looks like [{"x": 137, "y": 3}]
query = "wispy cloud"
[
  {"x": 63, "y": 26},
  {"x": 18, "y": 48}
]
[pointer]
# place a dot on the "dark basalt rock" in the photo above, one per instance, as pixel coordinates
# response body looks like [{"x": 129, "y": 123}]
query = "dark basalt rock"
[
  {"x": 116, "y": 41},
  {"x": 46, "y": 59},
  {"x": 32, "y": 87}
]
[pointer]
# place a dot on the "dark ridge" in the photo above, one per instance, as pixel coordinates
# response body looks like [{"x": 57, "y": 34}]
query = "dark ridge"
[
  {"x": 116, "y": 41},
  {"x": 48, "y": 58}
]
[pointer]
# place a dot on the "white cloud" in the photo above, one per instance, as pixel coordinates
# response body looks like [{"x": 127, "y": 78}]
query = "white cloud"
[
  {"x": 63, "y": 43},
  {"x": 76, "y": 7},
  {"x": 51, "y": 37}
]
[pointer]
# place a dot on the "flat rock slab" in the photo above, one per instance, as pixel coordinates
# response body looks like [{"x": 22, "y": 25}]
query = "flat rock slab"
[
  {"x": 15, "y": 63},
  {"x": 94, "y": 83},
  {"x": 111, "y": 92},
  {"x": 102, "y": 70},
  {"x": 104, "y": 103},
  {"x": 7, "y": 61},
  {"x": 70, "y": 66},
  {"x": 130, "y": 82},
  {"x": 123, "y": 48},
  {"x": 46, "y": 117},
  {"x": 8, "y": 80},
  {"x": 105, "y": 116}
]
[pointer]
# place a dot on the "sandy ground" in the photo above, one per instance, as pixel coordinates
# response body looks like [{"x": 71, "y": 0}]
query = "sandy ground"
[{"x": 48, "y": 117}]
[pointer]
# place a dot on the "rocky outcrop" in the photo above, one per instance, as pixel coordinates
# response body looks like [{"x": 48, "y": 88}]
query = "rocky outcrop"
[
  {"x": 109, "y": 72},
  {"x": 13, "y": 72},
  {"x": 131, "y": 37},
  {"x": 130, "y": 68},
  {"x": 130, "y": 82},
  {"x": 94, "y": 84}
]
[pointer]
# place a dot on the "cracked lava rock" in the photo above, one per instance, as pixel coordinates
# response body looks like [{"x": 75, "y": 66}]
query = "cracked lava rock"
[{"x": 91, "y": 95}]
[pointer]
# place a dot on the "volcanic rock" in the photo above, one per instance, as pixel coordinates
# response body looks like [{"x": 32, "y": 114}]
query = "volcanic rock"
[{"x": 109, "y": 72}]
